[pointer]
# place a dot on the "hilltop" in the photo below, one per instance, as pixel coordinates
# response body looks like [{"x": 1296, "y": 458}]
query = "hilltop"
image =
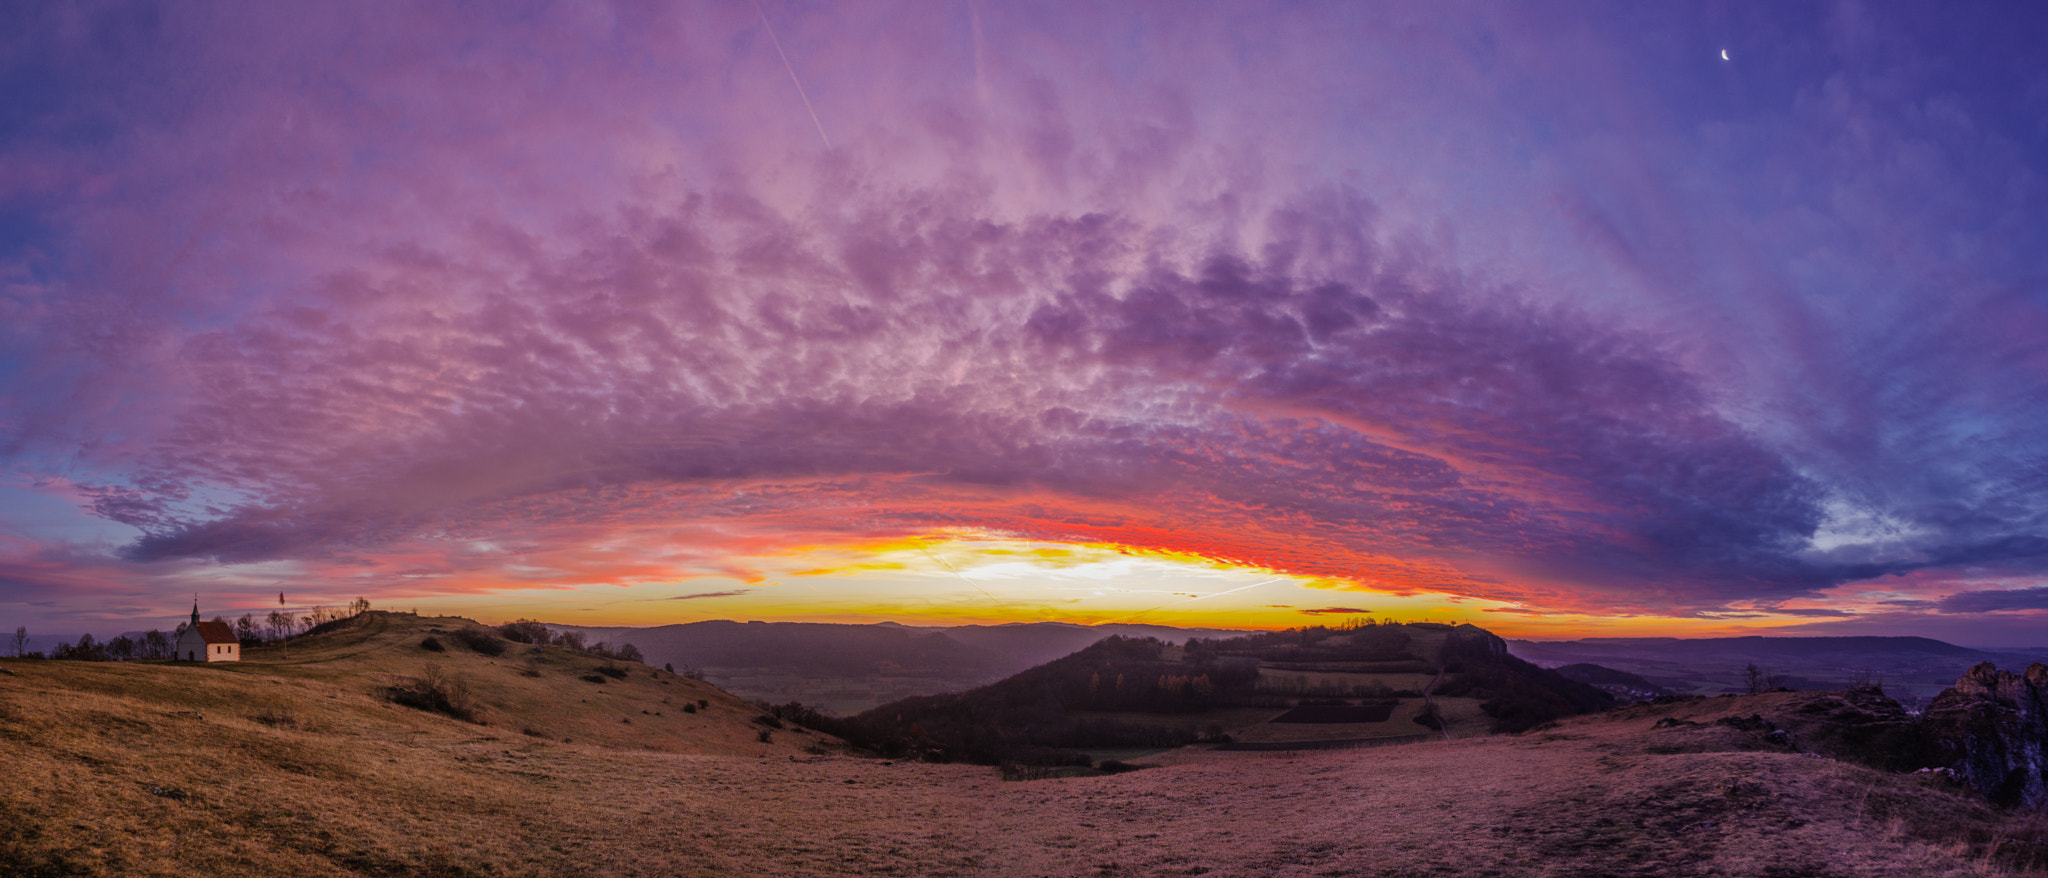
[
  {"x": 298, "y": 756},
  {"x": 1306, "y": 688}
]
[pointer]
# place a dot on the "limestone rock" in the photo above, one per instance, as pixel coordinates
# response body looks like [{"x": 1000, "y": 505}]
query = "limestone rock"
[{"x": 1991, "y": 730}]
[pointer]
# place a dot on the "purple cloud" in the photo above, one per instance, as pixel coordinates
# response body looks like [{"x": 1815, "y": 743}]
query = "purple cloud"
[
  {"x": 1995, "y": 600},
  {"x": 1554, "y": 309}
]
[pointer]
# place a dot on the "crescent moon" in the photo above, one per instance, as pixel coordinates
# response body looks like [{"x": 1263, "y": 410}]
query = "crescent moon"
[{"x": 1724, "y": 54}]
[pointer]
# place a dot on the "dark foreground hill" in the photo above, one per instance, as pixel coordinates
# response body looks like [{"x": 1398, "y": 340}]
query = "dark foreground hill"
[
  {"x": 304, "y": 767},
  {"x": 1298, "y": 689}
]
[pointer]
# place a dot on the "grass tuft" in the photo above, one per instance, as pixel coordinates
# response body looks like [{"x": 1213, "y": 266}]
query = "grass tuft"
[
  {"x": 436, "y": 692},
  {"x": 481, "y": 640}
]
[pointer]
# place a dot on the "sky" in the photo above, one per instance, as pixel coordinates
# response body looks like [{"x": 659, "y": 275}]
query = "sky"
[{"x": 1563, "y": 319}]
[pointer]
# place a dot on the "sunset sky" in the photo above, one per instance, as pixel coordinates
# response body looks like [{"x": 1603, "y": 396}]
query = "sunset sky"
[{"x": 1562, "y": 319}]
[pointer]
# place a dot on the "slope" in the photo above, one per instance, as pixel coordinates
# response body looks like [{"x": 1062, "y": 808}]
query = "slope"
[
  {"x": 297, "y": 767},
  {"x": 295, "y": 760}
]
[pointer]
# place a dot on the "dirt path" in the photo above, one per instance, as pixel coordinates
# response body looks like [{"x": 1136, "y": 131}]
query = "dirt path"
[{"x": 1429, "y": 703}]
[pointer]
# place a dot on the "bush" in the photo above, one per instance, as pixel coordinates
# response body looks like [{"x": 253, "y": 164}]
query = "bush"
[
  {"x": 593, "y": 678},
  {"x": 765, "y": 737},
  {"x": 432, "y": 645},
  {"x": 769, "y": 721},
  {"x": 330, "y": 625},
  {"x": 613, "y": 671},
  {"x": 690, "y": 708},
  {"x": 277, "y": 718},
  {"x": 481, "y": 640},
  {"x": 526, "y": 631},
  {"x": 432, "y": 691}
]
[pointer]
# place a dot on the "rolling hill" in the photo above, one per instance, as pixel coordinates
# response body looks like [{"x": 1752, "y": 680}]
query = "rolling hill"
[
  {"x": 1300, "y": 689},
  {"x": 1914, "y": 668}
]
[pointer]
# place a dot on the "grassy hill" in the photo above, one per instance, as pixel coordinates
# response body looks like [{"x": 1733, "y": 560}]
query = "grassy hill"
[
  {"x": 297, "y": 763},
  {"x": 296, "y": 760},
  {"x": 1298, "y": 689}
]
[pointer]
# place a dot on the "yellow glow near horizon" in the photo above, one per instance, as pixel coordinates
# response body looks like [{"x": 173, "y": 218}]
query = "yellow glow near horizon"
[{"x": 966, "y": 578}]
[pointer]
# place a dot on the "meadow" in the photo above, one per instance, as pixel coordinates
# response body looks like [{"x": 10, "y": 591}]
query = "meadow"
[{"x": 303, "y": 765}]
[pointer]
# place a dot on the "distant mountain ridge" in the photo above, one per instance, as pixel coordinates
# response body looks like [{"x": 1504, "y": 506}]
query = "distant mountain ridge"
[
  {"x": 1914, "y": 667},
  {"x": 847, "y": 668}
]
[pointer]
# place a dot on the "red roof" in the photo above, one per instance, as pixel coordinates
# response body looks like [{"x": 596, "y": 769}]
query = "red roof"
[{"x": 217, "y": 632}]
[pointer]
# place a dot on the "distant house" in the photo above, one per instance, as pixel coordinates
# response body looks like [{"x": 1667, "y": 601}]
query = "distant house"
[{"x": 208, "y": 641}]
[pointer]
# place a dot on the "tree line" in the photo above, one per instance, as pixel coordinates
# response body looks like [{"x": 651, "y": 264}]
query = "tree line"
[
  {"x": 250, "y": 630},
  {"x": 538, "y": 634}
]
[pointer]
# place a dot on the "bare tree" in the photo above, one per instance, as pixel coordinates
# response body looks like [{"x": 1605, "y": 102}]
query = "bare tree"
[
  {"x": 156, "y": 645},
  {"x": 20, "y": 641},
  {"x": 1757, "y": 681}
]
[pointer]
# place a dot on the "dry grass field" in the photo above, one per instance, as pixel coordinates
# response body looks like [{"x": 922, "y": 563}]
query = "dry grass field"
[{"x": 299, "y": 766}]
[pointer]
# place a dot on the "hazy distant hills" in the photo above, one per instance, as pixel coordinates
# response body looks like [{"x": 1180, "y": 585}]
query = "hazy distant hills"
[
  {"x": 1907, "y": 666},
  {"x": 850, "y": 668}
]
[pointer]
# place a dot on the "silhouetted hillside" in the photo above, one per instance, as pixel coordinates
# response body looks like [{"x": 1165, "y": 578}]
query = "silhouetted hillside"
[{"x": 1130, "y": 692}]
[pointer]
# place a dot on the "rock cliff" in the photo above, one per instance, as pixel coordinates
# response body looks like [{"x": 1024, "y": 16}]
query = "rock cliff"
[{"x": 1991, "y": 730}]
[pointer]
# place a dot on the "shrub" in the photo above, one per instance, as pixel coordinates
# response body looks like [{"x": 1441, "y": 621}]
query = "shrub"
[
  {"x": 433, "y": 691},
  {"x": 765, "y": 737},
  {"x": 769, "y": 721},
  {"x": 277, "y": 718},
  {"x": 613, "y": 671},
  {"x": 526, "y": 631},
  {"x": 1116, "y": 766},
  {"x": 481, "y": 640},
  {"x": 593, "y": 678},
  {"x": 331, "y": 625},
  {"x": 690, "y": 708},
  {"x": 704, "y": 702},
  {"x": 432, "y": 645}
]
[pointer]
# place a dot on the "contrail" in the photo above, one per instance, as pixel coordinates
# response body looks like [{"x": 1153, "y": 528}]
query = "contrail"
[
  {"x": 963, "y": 577},
  {"x": 1195, "y": 598},
  {"x": 792, "y": 74}
]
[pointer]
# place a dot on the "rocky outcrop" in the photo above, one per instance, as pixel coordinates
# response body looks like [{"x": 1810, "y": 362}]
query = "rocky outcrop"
[{"x": 1991, "y": 730}]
